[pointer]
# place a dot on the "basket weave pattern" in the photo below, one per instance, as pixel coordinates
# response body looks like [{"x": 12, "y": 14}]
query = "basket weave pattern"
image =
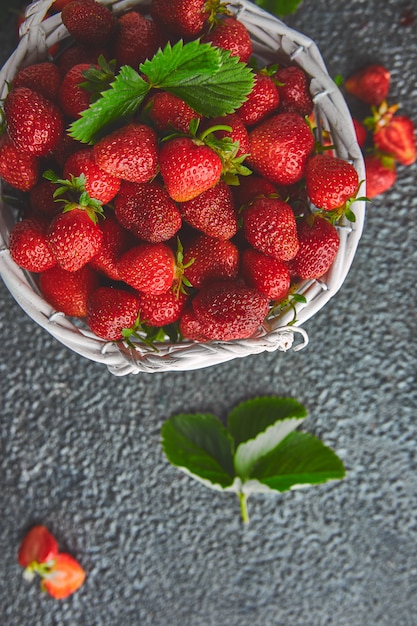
[{"x": 272, "y": 41}]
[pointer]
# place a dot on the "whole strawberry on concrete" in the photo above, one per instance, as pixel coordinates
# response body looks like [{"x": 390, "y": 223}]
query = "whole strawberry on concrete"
[{"x": 370, "y": 84}]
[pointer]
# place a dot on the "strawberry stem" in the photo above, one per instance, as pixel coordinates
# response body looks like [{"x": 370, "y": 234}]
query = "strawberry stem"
[{"x": 243, "y": 500}]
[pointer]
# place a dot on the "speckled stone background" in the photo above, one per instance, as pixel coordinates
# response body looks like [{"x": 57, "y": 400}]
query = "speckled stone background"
[{"x": 80, "y": 448}]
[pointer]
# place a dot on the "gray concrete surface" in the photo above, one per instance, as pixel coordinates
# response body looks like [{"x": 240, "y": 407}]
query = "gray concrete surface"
[{"x": 80, "y": 448}]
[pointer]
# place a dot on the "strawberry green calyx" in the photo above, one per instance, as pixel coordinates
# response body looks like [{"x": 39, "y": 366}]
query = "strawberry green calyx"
[
  {"x": 227, "y": 149},
  {"x": 180, "y": 281},
  {"x": 76, "y": 195},
  {"x": 40, "y": 569},
  {"x": 216, "y": 9},
  {"x": 381, "y": 116},
  {"x": 99, "y": 79}
]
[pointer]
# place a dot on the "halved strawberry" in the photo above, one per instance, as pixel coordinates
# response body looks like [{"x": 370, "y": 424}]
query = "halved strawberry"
[
  {"x": 64, "y": 577},
  {"x": 38, "y": 546}
]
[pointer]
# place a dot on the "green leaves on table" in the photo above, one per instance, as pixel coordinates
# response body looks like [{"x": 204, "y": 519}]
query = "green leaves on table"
[
  {"x": 260, "y": 450},
  {"x": 209, "y": 79},
  {"x": 279, "y": 7}
]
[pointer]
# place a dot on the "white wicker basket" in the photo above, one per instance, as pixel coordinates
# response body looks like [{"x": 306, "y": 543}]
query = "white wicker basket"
[{"x": 272, "y": 41}]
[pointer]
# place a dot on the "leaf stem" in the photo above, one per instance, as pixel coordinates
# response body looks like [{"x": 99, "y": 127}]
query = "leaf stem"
[{"x": 243, "y": 499}]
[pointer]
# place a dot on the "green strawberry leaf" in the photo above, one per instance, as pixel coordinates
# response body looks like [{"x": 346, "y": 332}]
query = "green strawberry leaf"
[
  {"x": 123, "y": 99},
  {"x": 182, "y": 64},
  {"x": 279, "y": 7},
  {"x": 259, "y": 452},
  {"x": 300, "y": 459},
  {"x": 252, "y": 417},
  {"x": 220, "y": 93},
  {"x": 259, "y": 425},
  {"x": 199, "y": 445},
  {"x": 209, "y": 79}
]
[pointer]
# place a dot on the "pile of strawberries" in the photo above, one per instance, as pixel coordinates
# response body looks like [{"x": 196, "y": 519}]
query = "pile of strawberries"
[
  {"x": 171, "y": 224},
  {"x": 386, "y": 137}
]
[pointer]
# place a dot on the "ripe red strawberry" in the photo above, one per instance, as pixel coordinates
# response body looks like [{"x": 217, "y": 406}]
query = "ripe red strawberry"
[
  {"x": 330, "y": 181},
  {"x": 116, "y": 241},
  {"x": 398, "y": 139},
  {"x": 261, "y": 102},
  {"x": 229, "y": 310},
  {"x": 238, "y": 134},
  {"x": 266, "y": 274},
  {"x": 110, "y": 311},
  {"x": 99, "y": 184},
  {"x": 212, "y": 212},
  {"x": 89, "y": 22},
  {"x": 64, "y": 149},
  {"x": 370, "y": 84},
  {"x": 188, "y": 168},
  {"x": 207, "y": 258},
  {"x": 137, "y": 39},
  {"x": 252, "y": 187},
  {"x": 18, "y": 169},
  {"x": 68, "y": 291},
  {"x": 360, "y": 131},
  {"x": 42, "y": 201},
  {"x": 38, "y": 546},
  {"x": 29, "y": 247},
  {"x": 73, "y": 99},
  {"x": 293, "y": 89},
  {"x": 147, "y": 210},
  {"x": 183, "y": 18},
  {"x": 45, "y": 78},
  {"x": 190, "y": 327},
  {"x": 74, "y": 238},
  {"x": 64, "y": 577},
  {"x": 130, "y": 153},
  {"x": 161, "y": 309},
  {"x": 35, "y": 124},
  {"x": 280, "y": 147},
  {"x": 269, "y": 226},
  {"x": 319, "y": 243},
  {"x": 231, "y": 34},
  {"x": 381, "y": 174},
  {"x": 77, "y": 54},
  {"x": 148, "y": 267},
  {"x": 169, "y": 112}
]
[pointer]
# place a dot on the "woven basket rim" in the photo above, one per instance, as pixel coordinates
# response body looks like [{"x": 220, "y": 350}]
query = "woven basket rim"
[{"x": 271, "y": 39}]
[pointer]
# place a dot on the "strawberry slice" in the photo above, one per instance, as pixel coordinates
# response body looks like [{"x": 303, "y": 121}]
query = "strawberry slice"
[
  {"x": 38, "y": 546},
  {"x": 64, "y": 577}
]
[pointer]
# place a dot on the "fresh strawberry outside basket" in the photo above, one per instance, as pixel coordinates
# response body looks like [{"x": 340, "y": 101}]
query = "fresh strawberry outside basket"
[{"x": 273, "y": 43}]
